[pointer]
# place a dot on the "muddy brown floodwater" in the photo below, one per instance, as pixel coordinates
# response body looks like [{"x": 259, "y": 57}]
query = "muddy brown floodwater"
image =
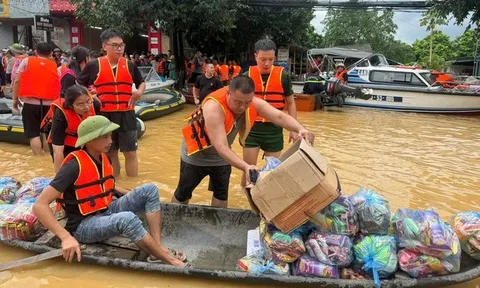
[{"x": 415, "y": 160}]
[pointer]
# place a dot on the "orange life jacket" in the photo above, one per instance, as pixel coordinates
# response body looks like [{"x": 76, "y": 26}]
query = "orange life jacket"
[
  {"x": 223, "y": 71},
  {"x": 39, "y": 80},
  {"x": 73, "y": 121},
  {"x": 204, "y": 68},
  {"x": 195, "y": 133},
  {"x": 4, "y": 63},
  {"x": 217, "y": 70},
  {"x": 114, "y": 91},
  {"x": 236, "y": 71},
  {"x": 273, "y": 91},
  {"x": 160, "y": 67},
  {"x": 339, "y": 76},
  {"x": 93, "y": 192}
]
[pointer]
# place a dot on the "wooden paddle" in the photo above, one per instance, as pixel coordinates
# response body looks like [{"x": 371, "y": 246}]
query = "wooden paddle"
[{"x": 31, "y": 260}]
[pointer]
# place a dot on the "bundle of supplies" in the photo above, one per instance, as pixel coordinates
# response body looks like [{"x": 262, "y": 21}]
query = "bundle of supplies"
[
  {"x": 373, "y": 211},
  {"x": 339, "y": 217},
  {"x": 467, "y": 227}
]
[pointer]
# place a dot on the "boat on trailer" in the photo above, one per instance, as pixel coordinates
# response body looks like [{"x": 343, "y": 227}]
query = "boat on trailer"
[
  {"x": 213, "y": 240},
  {"x": 397, "y": 87}
]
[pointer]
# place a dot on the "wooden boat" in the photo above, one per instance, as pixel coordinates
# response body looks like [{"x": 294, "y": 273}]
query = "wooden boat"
[
  {"x": 158, "y": 102},
  {"x": 11, "y": 125},
  {"x": 213, "y": 240}
]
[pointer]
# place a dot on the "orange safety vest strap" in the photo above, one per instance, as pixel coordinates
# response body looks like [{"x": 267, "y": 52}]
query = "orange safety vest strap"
[{"x": 89, "y": 198}]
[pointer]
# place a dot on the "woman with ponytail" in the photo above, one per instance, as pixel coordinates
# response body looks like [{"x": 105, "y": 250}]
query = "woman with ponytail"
[{"x": 79, "y": 59}]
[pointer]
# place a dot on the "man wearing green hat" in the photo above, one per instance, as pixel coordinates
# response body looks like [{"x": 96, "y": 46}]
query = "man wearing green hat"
[
  {"x": 84, "y": 185},
  {"x": 18, "y": 51}
]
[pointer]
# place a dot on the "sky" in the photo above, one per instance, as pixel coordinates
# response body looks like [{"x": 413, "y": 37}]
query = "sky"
[{"x": 408, "y": 29}]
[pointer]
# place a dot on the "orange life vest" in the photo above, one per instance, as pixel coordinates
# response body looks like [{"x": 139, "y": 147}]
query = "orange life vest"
[
  {"x": 339, "y": 76},
  {"x": 73, "y": 121},
  {"x": 39, "y": 80},
  {"x": 4, "y": 63},
  {"x": 195, "y": 133},
  {"x": 160, "y": 67},
  {"x": 217, "y": 70},
  {"x": 223, "y": 71},
  {"x": 93, "y": 192},
  {"x": 114, "y": 91},
  {"x": 273, "y": 91},
  {"x": 236, "y": 71}
]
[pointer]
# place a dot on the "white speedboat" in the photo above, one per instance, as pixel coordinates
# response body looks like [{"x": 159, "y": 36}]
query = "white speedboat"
[
  {"x": 153, "y": 80},
  {"x": 396, "y": 87}
]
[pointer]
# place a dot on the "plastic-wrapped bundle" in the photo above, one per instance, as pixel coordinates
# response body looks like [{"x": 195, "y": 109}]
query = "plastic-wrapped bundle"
[
  {"x": 271, "y": 163},
  {"x": 281, "y": 247},
  {"x": 425, "y": 232},
  {"x": 257, "y": 264},
  {"x": 373, "y": 211},
  {"x": 376, "y": 254},
  {"x": 467, "y": 227},
  {"x": 8, "y": 187},
  {"x": 338, "y": 217},
  {"x": 19, "y": 222},
  {"x": 331, "y": 249},
  {"x": 32, "y": 189},
  {"x": 307, "y": 266},
  {"x": 419, "y": 265}
]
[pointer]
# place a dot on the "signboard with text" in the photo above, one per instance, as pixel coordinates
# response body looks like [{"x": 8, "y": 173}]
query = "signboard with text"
[{"x": 44, "y": 23}]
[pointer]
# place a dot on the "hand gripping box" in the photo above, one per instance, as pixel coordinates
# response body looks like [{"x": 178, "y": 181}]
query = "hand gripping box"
[{"x": 302, "y": 185}]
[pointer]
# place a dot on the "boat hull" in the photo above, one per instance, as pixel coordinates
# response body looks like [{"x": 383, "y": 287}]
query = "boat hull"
[
  {"x": 213, "y": 239},
  {"x": 159, "y": 102}
]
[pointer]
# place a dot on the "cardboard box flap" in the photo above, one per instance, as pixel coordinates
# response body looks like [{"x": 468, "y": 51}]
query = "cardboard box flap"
[{"x": 315, "y": 157}]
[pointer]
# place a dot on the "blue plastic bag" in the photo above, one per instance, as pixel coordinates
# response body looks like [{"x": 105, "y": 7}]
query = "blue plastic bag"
[
  {"x": 376, "y": 255},
  {"x": 373, "y": 211},
  {"x": 8, "y": 188},
  {"x": 271, "y": 163}
]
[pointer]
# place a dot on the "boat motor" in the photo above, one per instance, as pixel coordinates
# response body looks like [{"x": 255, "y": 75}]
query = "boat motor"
[{"x": 335, "y": 87}]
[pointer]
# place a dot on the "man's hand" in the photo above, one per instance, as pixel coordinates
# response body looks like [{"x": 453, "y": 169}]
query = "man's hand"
[
  {"x": 70, "y": 246},
  {"x": 308, "y": 136},
  {"x": 246, "y": 171},
  {"x": 135, "y": 96},
  {"x": 292, "y": 137},
  {"x": 16, "y": 104}
]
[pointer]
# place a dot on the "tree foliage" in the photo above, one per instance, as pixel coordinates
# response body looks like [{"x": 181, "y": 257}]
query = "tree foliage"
[
  {"x": 442, "y": 46},
  {"x": 347, "y": 27},
  {"x": 460, "y": 9},
  {"x": 465, "y": 44}
]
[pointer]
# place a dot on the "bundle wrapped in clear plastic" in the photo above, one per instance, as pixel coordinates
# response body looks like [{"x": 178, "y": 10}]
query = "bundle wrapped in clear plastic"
[
  {"x": 467, "y": 227},
  {"x": 425, "y": 232},
  {"x": 271, "y": 163},
  {"x": 339, "y": 217},
  {"x": 419, "y": 265},
  {"x": 331, "y": 249},
  {"x": 281, "y": 247},
  {"x": 376, "y": 255},
  {"x": 19, "y": 222},
  {"x": 308, "y": 266},
  {"x": 8, "y": 187},
  {"x": 373, "y": 211},
  {"x": 32, "y": 189},
  {"x": 257, "y": 264}
]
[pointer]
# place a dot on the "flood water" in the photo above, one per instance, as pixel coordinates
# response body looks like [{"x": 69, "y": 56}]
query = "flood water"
[{"x": 415, "y": 160}]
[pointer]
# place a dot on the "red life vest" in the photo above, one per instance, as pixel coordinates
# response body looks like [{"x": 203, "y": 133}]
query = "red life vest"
[
  {"x": 272, "y": 91},
  {"x": 223, "y": 71},
  {"x": 73, "y": 121},
  {"x": 339, "y": 76},
  {"x": 65, "y": 72},
  {"x": 195, "y": 133},
  {"x": 114, "y": 91},
  {"x": 236, "y": 71},
  {"x": 93, "y": 192},
  {"x": 40, "y": 79}
]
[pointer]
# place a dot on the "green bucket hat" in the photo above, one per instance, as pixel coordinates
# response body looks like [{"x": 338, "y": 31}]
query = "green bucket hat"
[
  {"x": 94, "y": 127},
  {"x": 17, "y": 48}
]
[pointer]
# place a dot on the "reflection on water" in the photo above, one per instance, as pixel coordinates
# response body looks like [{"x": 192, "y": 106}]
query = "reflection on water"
[{"x": 415, "y": 160}]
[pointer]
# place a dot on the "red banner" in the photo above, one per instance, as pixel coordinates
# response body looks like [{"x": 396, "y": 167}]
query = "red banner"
[{"x": 154, "y": 41}]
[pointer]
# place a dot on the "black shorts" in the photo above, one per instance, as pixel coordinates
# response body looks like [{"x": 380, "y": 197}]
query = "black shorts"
[
  {"x": 126, "y": 141},
  {"x": 8, "y": 78},
  {"x": 66, "y": 150},
  {"x": 32, "y": 116},
  {"x": 192, "y": 175}
]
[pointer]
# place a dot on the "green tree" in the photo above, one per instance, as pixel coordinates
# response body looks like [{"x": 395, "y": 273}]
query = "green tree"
[
  {"x": 310, "y": 38},
  {"x": 442, "y": 46},
  {"x": 400, "y": 52},
  {"x": 436, "y": 62},
  {"x": 347, "y": 27},
  {"x": 431, "y": 20},
  {"x": 465, "y": 44},
  {"x": 460, "y": 9}
]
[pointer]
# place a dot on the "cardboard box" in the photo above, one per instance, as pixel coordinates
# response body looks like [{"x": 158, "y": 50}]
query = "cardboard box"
[{"x": 302, "y": 185}]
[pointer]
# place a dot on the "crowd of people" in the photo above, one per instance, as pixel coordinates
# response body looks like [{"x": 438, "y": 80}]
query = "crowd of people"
[{"x": 86, "y": 107}]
